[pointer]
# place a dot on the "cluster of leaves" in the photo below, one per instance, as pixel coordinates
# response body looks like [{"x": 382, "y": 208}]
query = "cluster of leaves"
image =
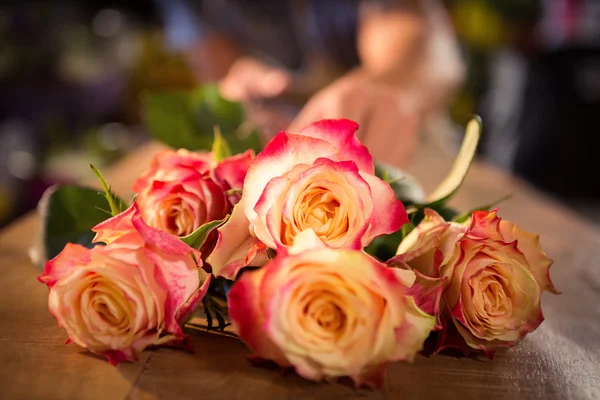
[{"x": 188, "y": 119}]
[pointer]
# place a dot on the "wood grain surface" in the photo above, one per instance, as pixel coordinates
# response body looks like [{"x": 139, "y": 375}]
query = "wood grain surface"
[{"x": 561, "y": 360}]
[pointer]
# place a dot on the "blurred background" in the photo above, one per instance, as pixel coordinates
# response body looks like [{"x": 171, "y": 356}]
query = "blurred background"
[{"x": 73, "y": 75}]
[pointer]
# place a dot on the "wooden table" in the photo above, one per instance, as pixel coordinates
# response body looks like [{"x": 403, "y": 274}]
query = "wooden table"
[{"x": 561, "y": 360}]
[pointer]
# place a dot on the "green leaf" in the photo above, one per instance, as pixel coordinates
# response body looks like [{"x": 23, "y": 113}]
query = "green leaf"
[
  {"x": 68, "y": 214},
  {"x": 187, "y": 120},
  {"x": 169, "y": 118},
  {"x": 464, "y": 217},
  {"x": 233, "y": 192},
  {"x": 197, "y": 238},
  {"x": 406, "y": 229},
  {"x": 384, "y": 247},
  {"x": 461, "y": 165},
  {"x": 220, "y": 148},
  {"x": 210, "y": 109},
  {"x": 405, "y": 186},
  {"x": 117, "y": 206}
]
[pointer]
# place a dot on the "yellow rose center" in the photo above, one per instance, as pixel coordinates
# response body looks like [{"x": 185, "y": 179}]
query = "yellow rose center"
[
  {"x": 323, "y": 315},
  {"x": 106, "y": 310},
  {"x": 180, "y": 220},
  {"x": 494, "y": 296},
  {"x": 491, "y": 301},
  {"x": 110, "y": 306},
  {"x": 175, "y": 216},
  {"x": 320, "y": 209}
]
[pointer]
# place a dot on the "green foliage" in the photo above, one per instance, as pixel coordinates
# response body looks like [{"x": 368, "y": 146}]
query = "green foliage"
[
  {"x": 233, "y": 192},
  {"x": 384, "y": 247},
  {"x": 68, "y": 215},
  {"x": 220, "y": 147},
  {"x": 117, "y": 206},
  {"x": 187, "y": 120},
  {"x": 460, "y": 167},
  {"x": 197, "y": 238}
]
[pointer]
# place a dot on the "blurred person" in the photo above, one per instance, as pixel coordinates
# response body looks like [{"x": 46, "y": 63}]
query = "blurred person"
[{"x": 385, "y": 64}]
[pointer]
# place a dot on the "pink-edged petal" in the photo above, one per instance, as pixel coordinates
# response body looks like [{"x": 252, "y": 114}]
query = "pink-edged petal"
[
  {"x": 177, "y": 174},
  {"x": 411, "y": 335},
  {"x": 450, "y": 338},
  {"x": 372, "y": 377},
  {"x": 424, "y": 236},
  {"x": 428, "y": 241},
  {"x": 485, "y": 224},
  {"x": 388, "y": 214},
  {"x": 427, "y": 293},
  {"x": 71, "y": 257},
  {"x": 161, "y": 240},
  {"x": 247, "y": 316},
  {"x": 529, "y": 244},
  {"x": 171, "y": 159},
  {"x": 180, "y": 278},
  {"x": 414, "y": 324},
  {"x": 235, "y": 246},
  {"x": 342, "y": 134},
  {"x": 187, "y": 309},
  {"x": 488, "y": 347},
  {"x": 116, "y": 357},
  {"x": 161, "y": 189},
  {"x": 231, "y": 171},
  {"x": 113, "y": 228},
  {"x": 256, "y": 256},
  {"x": 279, "y": 156},
  {"x": 269, "y": 209}
]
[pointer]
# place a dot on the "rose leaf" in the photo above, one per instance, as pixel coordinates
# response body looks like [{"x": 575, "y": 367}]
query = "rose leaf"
[
  {"x": 197, "y": 238},
  {"x": 68, "y": 213}
]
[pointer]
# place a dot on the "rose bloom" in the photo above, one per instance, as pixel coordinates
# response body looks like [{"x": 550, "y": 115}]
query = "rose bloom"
[
  {"x": 329, "y": 313},
  {"x": 495, "y": 274},
  {"x": 321, "y": 179},
  {"x": 183, "y": 190},
  {"x": 135, "y": 292}
]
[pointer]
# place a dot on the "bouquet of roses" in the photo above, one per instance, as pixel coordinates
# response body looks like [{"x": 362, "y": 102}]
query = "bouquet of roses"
[{"x": 319, "y": 258}]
